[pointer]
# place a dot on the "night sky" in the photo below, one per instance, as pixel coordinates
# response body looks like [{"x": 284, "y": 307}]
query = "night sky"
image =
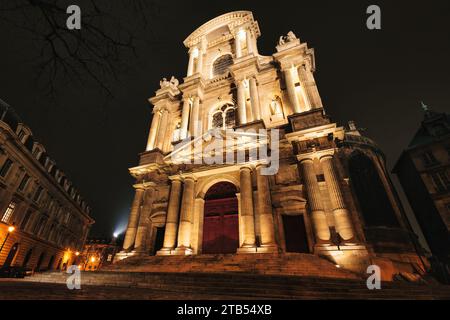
[{"x": 376, "y": 78}]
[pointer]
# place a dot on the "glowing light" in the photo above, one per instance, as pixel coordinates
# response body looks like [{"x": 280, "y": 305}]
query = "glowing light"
[
  {"x": 11, "y": 229},
  {"x": 77, "y": 253},
  {"x": 92, "y": 259},
  {"x": 115, "y": 234},
  {"x": 337, "y": 266}
]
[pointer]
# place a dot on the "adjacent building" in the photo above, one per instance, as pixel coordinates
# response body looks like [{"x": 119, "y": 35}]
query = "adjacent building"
[
  {"x": 97, "y": 253},
  {"x": 44, "y": 219},
  {"x": 424, "y": 173},
  {"x": 330, "y": 194}
]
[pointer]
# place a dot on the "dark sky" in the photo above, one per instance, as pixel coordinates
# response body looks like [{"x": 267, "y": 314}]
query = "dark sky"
[{"x": 376, "y": 78}]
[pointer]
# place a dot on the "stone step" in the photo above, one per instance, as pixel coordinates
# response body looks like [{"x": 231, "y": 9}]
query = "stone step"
[{"x": 253, "y": 286}]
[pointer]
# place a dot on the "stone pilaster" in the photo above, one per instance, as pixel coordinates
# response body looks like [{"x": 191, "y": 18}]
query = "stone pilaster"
[
  {"x": 247, "y": 212},
  {"x": 290, "y": 86},
  {"x": 254, "y": 97},
  {"x": 142, "y": 230},
  {"x": 237, "y": 45},
  {"x": 170, "y": 235},
  {"x": 194, "y": 117},
  {"x": 162, "y": 129},
  {"x": 133, "y": 221},
  {"x": 153, "y": 131},
  {"x": 321, "y": 228},
  {"x": 186, "y": 215},
  {"x": 185, "y": 118},
  {"x": 242, "y": 113},
  {"x": 342, "y": 219},
  {"x": 267, "y": 228}
]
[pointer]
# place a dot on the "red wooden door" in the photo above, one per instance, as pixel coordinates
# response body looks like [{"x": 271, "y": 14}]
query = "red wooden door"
[{"x": 220, "y": 226}]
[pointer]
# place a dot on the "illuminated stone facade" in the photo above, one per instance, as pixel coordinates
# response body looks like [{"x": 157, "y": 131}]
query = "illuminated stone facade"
[
  {"x": 331, "y": 196},
  {"x": 50, "y": 217}
]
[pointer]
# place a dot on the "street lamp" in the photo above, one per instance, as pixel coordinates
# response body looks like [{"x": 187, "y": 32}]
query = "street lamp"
[{"x": 10, "y": 230}]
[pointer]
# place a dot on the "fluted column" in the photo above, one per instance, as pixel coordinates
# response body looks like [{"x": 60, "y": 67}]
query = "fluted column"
[
  {"x": 247, "y": 212},
  {"x": 290, "y": 86},
  {"x": 241, "y": 102},
  {"x": 162, "y": 129},
  {"x": 153, "y": 131},
  {"x": 237, "y": 45},
  {"x": 185, "y": 118},
  {"x": 194, "y": 117},
  {"x": 315, "y": 202},
  {"x": 342, "y": 219},
  {"x": 133, "y": 220},
  {"x": 254, "y": 97},
  {"x": 265, "y": 209},
  {"x": 170, "y": 235},
  {"x": 186, "y": 215}
]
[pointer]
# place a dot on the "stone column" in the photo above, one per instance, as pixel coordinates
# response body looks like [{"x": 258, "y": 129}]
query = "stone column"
[
  {"x": 265, "y": 210},
  {"x": 162, "y": 129},
  {"x": 170, "y": 235},
  {"x": 254, "y": 97},
  {"x": 185, "y": 118},
  {"x": 194, "y": 117},
  {"x": 186, "y": 214},
  {"x": 247, "y": 212},
  {"x": 237, "y": 45},
  {"x": 290, "y": 86},
  {"x": 191, "y": 63},
  {"x": 241, "y": 102},
  {"x": 142, "y": 230},
  {"x": 341, "y": 215},
  {"x": 133, "y": 220},
  {"x": 315, "y": 202},
  {"x": 248, "y": 35},
  {"x": 153, "y": 131},
  {"x": 303, "y": 88}
]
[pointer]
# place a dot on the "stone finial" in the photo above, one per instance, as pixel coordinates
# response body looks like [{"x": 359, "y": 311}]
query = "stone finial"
[
  {"x": 424, "y": 106},
  {"x": 352, "y": 125},
  {"x": 288, "y": 38}
]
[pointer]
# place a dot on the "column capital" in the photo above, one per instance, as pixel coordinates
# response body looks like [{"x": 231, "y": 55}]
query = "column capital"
[{"x": 246, "y": 167}]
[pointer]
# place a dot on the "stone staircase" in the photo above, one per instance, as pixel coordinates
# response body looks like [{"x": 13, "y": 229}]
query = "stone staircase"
[
  {"x": 243, "y": 286},
  {"x": 293, "y": 264}
]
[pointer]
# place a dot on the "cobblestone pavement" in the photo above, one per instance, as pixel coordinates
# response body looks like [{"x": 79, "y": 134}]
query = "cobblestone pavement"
[{"x": 20, "y": 290}]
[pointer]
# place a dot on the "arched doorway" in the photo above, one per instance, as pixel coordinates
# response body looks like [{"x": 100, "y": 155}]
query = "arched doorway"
[
  {"x": 40, "y": 260},
  {"x": 27, "y": 258},
  {"x": 50, "y": 263},
  {"x": 12, "y": 253},
  {"x": 220, "y": 225}
]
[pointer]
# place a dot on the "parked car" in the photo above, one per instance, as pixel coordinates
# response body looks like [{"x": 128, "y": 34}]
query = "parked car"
[{"x": 13, "y": 272}]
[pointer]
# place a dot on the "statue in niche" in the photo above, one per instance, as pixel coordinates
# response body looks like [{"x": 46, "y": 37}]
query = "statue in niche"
[
  {"x": 288, "y": 38},
  {"x": 275, "y": 106}
]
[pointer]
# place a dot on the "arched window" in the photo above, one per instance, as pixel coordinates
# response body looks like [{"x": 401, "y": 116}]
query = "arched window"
[
  {"x": 372, "y": 197},
  {"x": 224, "y": 117},
  {"x": 221, "y": 65}
]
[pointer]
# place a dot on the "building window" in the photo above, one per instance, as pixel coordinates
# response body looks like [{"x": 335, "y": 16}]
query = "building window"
[
  {"x": 221, "y": 65},
  {"x": 224, "y": 118},
  {"x": 5, "y": 168},
  {"x": 441, "y": 181},
  {"x": 21, "y": 135},
  {"x": 38, "y": 193},
  {"x": 25, "y": 220},
  {"x": 24, "y": 182},
  {"x": 8, "y": 212},
  {"x": 429, "y": 159}
]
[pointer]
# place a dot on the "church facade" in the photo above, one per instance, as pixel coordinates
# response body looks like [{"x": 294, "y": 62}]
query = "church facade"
[{"x": 319, "y": 189}]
